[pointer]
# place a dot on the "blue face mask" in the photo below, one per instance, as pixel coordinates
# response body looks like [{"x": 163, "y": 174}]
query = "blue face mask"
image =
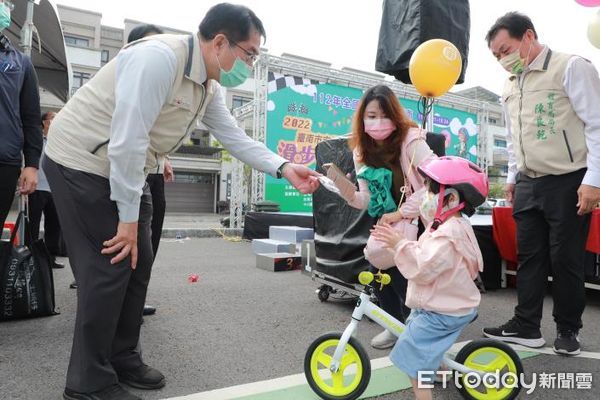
[
  {"x": 236, "y": 75},
  {"x": 4, "y": 16}
]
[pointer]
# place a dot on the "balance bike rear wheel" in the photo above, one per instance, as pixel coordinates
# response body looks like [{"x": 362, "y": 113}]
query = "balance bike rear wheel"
[{"x": 493, "y": 357}]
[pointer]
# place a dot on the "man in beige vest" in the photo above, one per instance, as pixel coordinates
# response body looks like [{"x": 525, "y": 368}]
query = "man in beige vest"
[
  {"x": 550, "y": 102},
  {"x": 136, "y": 109}
]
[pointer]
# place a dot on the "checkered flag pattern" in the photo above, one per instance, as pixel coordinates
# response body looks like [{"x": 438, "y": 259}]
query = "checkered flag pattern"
[{"x": 280, "y": 81}]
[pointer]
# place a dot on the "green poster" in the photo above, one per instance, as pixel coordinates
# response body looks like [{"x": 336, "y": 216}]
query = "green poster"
[
  {"x": 459, "y": 127},
  {"x": 302, "y": 113},
  {"x": 298, "y": 118}
]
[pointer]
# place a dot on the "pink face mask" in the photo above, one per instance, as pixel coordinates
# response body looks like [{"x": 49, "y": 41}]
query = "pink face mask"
[{"x": 379, "y": 129}]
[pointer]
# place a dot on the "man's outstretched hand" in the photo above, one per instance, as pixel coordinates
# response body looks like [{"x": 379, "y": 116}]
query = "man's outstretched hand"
[{"x": 302, "y": 178}]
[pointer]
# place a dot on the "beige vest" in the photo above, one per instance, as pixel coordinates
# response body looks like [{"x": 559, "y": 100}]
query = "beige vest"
[
  {"x": 547, "y": 135},
  {"x": 80, "y": 132}
]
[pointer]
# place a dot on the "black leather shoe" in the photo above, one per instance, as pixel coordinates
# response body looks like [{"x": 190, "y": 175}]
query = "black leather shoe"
[
  {"x": 149, "y": 310},
  {"x": 144, "y": 377},
  {"x": 114, "y": 392},
  {"x": 58, "y": 265}
]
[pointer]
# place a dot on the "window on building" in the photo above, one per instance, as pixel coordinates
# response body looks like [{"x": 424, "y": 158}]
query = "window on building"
[
  {"x": 105, "y": 55},
  {"x": 504, "y": 169},
  {"x": 79, "y": 79},
  {"x": 238, "y": 101},
  {"x": 500, "y": 143},
  {"x": 200, "y": 137},
  {"x": 493, "y": 121},
  {"x": 195, "y": 178},
  {"x": 76, "y": 41}
]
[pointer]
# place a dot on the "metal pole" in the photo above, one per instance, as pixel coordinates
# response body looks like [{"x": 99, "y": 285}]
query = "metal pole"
[
  {"x": 261, "y": 69},
  {"x": 27, "y": 30},
  {"x": 26, "y": 45}
]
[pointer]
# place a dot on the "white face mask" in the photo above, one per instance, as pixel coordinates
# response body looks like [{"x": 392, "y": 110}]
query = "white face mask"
[{"x": 430, "y": 201}]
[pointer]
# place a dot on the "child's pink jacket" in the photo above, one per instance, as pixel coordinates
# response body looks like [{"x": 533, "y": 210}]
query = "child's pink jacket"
[{"x": 440, "y": 268}]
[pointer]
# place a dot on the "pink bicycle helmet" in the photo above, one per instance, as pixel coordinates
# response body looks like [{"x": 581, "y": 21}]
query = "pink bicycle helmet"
[{"x": 461, "y": 174}]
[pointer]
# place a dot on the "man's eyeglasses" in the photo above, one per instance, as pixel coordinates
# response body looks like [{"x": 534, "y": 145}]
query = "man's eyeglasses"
[{"x": 251, "y": 57}]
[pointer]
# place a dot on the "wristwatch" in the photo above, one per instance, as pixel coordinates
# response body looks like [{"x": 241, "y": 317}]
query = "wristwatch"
[{"x": 280, "y": 170}]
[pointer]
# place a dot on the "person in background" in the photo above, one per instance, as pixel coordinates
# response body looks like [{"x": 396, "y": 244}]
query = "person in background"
[
  {"x": 40, "y": 202},
  {"x": 20, "y": 132},
  {"x": 553, "y": 134},
  {"x": 164, "y": 173}
]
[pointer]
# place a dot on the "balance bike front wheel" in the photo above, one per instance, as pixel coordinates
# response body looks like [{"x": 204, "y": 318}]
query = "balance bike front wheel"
[
  {"x": 502, "y": 369},
  {"x": 352, "y": 377}
]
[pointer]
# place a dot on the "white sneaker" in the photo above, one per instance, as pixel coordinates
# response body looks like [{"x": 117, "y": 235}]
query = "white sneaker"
[{"x": 384, "y": 340}]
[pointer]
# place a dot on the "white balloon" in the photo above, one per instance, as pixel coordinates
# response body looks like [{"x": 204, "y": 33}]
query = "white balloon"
[{"x": 593, "y": 31}]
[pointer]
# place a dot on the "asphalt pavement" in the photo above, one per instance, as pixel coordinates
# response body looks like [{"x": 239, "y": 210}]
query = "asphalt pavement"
[{"x": 238, "y": 324}]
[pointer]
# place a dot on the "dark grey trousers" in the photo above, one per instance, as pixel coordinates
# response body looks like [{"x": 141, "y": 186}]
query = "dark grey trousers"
[
  {"x": 551, "y": 237},
  {"x": 110, "y": 298},
  {"x": 392, "y": 298},
  {"x": 156, "y": 184}
]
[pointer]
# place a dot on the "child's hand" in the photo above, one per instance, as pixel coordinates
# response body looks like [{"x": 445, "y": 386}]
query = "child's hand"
[
  {"x": 386, "y": 234},
  {"x": 390, "y": 218}
]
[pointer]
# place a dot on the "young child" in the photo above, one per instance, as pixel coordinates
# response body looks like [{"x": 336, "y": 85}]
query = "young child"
[{"x": 440, "y": 267}]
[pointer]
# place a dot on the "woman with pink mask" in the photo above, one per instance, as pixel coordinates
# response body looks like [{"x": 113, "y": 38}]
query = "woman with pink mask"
[{"x": 388, "y": 147}]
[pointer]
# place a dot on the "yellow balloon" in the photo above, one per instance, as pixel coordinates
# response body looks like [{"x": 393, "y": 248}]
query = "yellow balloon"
[
  {"x": 435, "y": 67},
  {"x": 593, "y": 31}
]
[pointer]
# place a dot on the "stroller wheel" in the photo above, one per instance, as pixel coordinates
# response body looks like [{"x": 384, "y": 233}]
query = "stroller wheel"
[{"x": 323, "y": 292}]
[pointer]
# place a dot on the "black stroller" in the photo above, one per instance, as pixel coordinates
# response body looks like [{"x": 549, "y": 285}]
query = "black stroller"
[{"x": 341, "y": 231}]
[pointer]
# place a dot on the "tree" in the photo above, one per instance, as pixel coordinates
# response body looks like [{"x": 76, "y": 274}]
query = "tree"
[
  {"x": 496, "y": 191},
  {"x": 225, "y": 155}
]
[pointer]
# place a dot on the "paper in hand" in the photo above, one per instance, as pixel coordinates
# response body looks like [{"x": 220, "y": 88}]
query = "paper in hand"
[
  {"x": 329, "y": 184},
  {"x": 345, "y": 187}
]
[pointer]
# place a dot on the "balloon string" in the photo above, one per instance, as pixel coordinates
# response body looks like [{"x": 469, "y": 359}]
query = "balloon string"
[{"x": 425, "y": 106}]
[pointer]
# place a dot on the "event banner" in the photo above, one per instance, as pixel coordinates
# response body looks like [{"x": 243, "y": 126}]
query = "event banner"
[
  {"x": 459, "y": 127},
  {"x": 303, "y": 112}
]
